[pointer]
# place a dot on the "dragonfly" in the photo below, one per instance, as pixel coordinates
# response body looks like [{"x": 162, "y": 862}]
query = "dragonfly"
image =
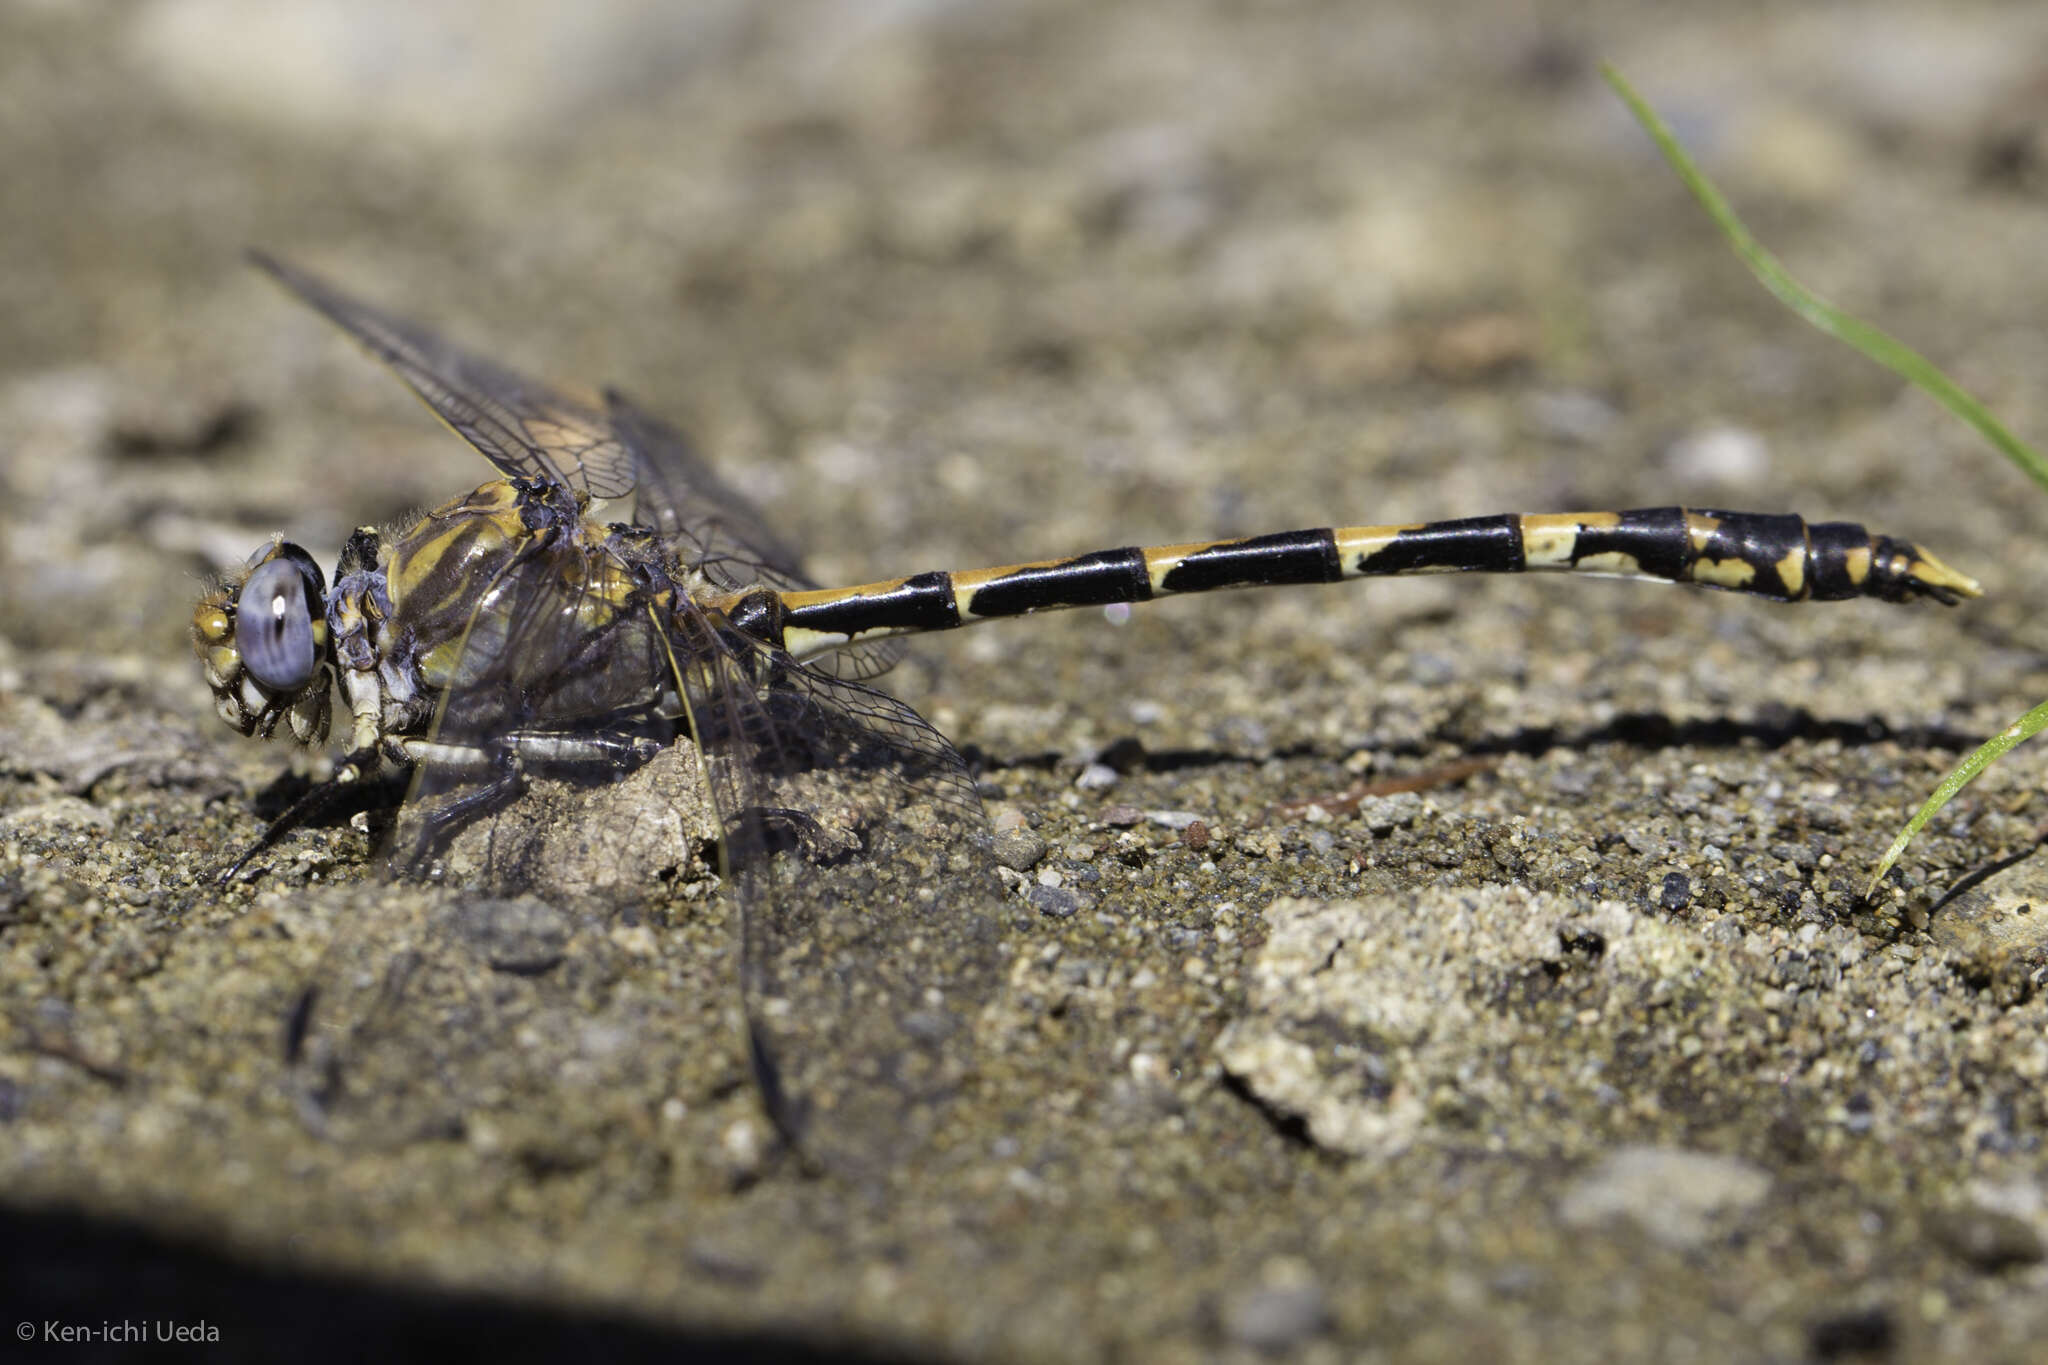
[{"x": 608, "y": 609}]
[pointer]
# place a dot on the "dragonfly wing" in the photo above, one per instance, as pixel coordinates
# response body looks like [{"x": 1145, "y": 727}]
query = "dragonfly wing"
[
  {"x": 717, "y": 530},
  {"x": 433, "y": 1009},
  {"x": 528, "y": 430},
  {"x": 438, "y": 1016},
  {"x": 561, "y": 676},
  {"x": 524, "y": 428},
  {"x": 871, "y": 910},
  {"x": 554, "y": 776},
  {"x": 849, "y": 829}
]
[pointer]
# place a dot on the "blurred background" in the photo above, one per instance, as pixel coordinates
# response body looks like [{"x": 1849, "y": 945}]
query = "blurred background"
[
  {"x": 954, "y": 284},
  {"x": 935, "y": 279}
]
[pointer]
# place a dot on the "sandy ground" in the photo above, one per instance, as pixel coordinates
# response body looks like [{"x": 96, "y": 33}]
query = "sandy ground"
[{"x": 1586, "y": 1049}]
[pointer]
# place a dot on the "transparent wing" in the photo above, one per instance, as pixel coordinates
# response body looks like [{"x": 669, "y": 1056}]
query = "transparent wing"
[
  {"x": 526, "y": 429},
  {"x": 716, "y": 530},
  {"x": 564, "y": 780},
  {"x": 561, "y": 677},
  {"x": 871, "y": 911},
  {"x": 431, "y": 1012},
  {"x": 524, "y": 1023}
]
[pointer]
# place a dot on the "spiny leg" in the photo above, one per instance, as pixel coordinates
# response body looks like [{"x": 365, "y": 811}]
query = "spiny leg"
[
  {"x": 521, "y": 748},
  {"x": 497, "y": 769},
  {"x": 496, "y": 773},
  {"x": 349, "y": 776}
]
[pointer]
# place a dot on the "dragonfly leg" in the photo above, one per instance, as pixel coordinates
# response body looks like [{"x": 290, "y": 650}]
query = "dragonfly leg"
[
  {"x": 541, "y": 747},
  {"x": 353, "y": 770}
]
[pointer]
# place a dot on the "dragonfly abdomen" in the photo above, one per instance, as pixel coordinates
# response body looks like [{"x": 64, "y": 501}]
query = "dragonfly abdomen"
[{"x": 1781, "y": 557}]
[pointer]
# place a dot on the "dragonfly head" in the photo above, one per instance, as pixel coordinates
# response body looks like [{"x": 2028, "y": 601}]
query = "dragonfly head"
[{"x": 261, "y": 635}]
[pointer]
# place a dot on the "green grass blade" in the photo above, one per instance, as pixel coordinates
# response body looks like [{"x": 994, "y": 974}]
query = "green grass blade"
[
  {"x": 1959, "y": 777},
  {"x": 1895, "y": 356},
  {"x": 1885, "y": 349}
]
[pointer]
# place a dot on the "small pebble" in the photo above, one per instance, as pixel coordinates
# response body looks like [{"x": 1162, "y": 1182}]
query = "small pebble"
[
  {"x": 929, "y": 1026},
  {"x": 740, "y": 1145},
  {"x": 1019, "y": 849},
  {"x": 1284, "y": 1311},
  {"x": 1054, "y": 901},
  {"x": 1009, "y": 818},
  {"x": 1675, "y": 1196},
  {"x": 1727, "y": 929},
  {"x": 1096, "y": 777},
  {"x": 1121, "y": 816}
]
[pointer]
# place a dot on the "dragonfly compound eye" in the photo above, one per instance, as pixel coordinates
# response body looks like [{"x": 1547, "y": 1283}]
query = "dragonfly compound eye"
[{"x": 274, "y": 627}]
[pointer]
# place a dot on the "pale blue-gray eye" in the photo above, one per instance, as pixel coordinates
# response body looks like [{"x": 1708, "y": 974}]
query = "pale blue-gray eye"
[{"x": 274, "y": 627}]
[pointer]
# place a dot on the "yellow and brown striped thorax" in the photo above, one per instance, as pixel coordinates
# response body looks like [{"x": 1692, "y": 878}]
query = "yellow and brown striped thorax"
[{"x": 448, "y": 576}]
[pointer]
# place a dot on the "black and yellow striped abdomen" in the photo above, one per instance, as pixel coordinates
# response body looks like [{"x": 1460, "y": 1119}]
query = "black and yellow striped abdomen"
[{"x": 1782, "y": 557}]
